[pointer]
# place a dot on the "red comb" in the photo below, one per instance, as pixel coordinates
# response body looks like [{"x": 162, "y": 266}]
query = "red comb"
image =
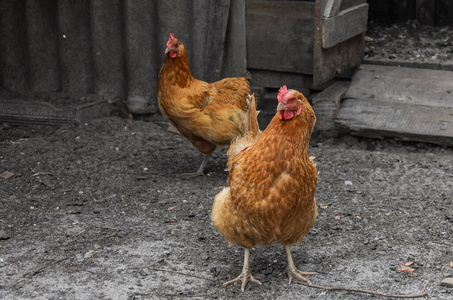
[
  {"x": 172, "y": 36},
  {"x": 282, "y": 93}
]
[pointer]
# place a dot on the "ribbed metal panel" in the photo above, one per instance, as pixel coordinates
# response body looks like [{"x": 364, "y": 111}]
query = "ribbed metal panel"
[{"x": 115, "y": 48}]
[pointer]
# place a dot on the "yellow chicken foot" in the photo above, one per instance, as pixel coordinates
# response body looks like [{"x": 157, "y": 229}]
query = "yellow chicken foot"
[
  {"x": 292, "y": 271},
  {"x": 246, "y": 274},
  {"x": 199, "y": 172}
]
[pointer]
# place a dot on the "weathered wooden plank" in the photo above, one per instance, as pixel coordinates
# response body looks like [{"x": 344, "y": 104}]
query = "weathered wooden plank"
[
  {"x": 279, "y": 35},
  {"x": 341, "y": 60},
  {"x": 345, "y": 25},
  {"x": 331, "y": 8},
  {"x": 410, "y": 122},
  {"x": 407, "y": 85},
  {"x": 326, "y": 104}
]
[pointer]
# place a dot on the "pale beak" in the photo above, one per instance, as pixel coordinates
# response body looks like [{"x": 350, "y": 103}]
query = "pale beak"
[
  {"x": 281, "y": 106},
  {"x": 167, "y": 50}
]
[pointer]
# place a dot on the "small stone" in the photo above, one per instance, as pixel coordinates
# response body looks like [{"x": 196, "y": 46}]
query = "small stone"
[
  {"x": 347, "y": 182},
  {"x": 89, "y": 254},
  {"x": 259, "y": 276},
  {"x": 143, "y": 273},
  {"x": 187, "y": 292},
  {"x": 75, "y": 211},
  {"x": 447, "y": 282},
  {"x": 214, "y": 271},
  {"x": 4, "y": 235},
  {"x": 267, "y": 271}
]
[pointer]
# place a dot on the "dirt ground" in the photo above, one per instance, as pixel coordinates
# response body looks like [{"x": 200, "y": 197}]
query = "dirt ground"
[{"x": 97, "y": 212}]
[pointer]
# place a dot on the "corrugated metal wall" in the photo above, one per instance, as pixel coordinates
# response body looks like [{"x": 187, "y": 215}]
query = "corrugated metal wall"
[{"x": 115, "y": 48}]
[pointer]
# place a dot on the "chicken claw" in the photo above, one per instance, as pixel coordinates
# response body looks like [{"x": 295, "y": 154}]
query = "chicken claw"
[
  {"x": 293, "y": 272},
  {"x": 245, "y": 275},
  {"x": 244, "y": 278},
  {"x": 299, "y": 275}
]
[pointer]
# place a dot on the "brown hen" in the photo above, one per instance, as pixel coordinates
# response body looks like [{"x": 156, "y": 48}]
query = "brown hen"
[
  {"x": 271, "y": 186},
  {"x": 207, "y": 114}
]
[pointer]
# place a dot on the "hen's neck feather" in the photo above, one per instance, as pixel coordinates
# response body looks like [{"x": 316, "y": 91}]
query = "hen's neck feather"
[
  {"x": 176, "y": 71},
  {"x": 298, "y": 129}
]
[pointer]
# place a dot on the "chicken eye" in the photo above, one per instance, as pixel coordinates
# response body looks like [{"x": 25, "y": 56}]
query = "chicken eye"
[{"x": 176, "y": 45}]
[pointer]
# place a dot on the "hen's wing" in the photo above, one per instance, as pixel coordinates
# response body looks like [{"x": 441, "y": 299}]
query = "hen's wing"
[
  {"x": 224, "y": 109},
  {"x": 232, "y": 91}
]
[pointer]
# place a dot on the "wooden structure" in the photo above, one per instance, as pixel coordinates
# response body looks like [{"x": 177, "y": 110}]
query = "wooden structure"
[
  {"x": 112, "y": 50},
  {"x": 404, "y": 103},
  {"x": 303, "y": 44},
  {"x": 316, "y": 41}
]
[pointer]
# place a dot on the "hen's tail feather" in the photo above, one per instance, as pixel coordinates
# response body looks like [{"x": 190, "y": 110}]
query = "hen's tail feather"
[
  {"x": 247, "y": 75},
  {"x": 251, "y": 117},
  {"x": 251, "y": 133}
]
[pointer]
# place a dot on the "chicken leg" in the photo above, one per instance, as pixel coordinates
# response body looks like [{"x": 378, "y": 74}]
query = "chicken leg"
[
  {"x": 246, "y": 274},
  {"x": 199, "y": 172},
  {"x": 292, "y": 271}
]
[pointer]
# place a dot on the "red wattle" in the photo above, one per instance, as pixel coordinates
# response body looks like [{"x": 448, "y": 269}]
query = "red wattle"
[{"x": 288, "y": 115}]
